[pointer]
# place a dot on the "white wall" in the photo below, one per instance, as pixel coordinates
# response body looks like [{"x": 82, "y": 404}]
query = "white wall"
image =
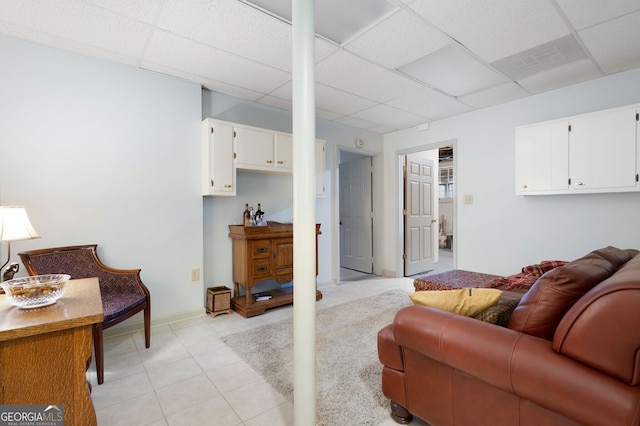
[
  {"x": 274, "y": 192},
  {"x": 501, "y": 232},
  {"x": 105, "y": 153}
]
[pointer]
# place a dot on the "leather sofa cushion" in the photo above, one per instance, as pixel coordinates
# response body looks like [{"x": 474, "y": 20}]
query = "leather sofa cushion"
[{"x": 543, "y": 306}]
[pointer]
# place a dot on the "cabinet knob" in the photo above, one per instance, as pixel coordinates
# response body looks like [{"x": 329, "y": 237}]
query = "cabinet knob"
[
  {"x": 280, "y": 162},
  {"x": 212, "y": 183},
  {"x": 227, "y": 185},
  {"x": 269, "y": 161},
  {"x": 579, "y": 183},
  {"x": 524, "y": 186}
]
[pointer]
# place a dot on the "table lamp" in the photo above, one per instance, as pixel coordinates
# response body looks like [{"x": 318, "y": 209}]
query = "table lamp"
[{"x": 14, "y": 226}]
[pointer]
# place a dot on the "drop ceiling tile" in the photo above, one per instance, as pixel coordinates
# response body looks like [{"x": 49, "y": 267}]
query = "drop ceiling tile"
[
  {"x": 389, "y": 116},
  {"x": 330, "y": 99},
  {"x": 65, "y": 44},
  {"x": 386, "y": 43},
  {"x": 327, "y": 115},
  {"x": 340, "y": 102},
  {"x": 236, "y": 28},
  {"x": 614, "y": 44},
  {"x": 493, "y": 29},
  {"x": 597, "y": 12},
  {"x": 356, "y": 122},
  {"x": 74, "y": 20},
  {"x": 142, "y": 10},
  {"x": 494, "y": 95},
  {"x": 204, "y": 61},
  {"x": 566, "y": 75},
  {"x": 211, "y": 85},
  {"x": 429, "y": 103},
  {"x": 382, "y": 129},
  {"x": 355, "y": 75},
  {"x": 227, "y": 89}
]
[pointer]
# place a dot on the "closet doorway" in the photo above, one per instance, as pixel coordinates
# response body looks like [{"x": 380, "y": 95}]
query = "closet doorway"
[{"x": 355, "y": 182}]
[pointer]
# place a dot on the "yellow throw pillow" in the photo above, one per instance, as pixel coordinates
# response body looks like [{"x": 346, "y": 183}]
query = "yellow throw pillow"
[{"x": 464, "y": 301}]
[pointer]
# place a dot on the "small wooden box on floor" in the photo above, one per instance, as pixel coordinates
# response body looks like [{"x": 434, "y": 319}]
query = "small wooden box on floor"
[{"x": 218, "y": 300}]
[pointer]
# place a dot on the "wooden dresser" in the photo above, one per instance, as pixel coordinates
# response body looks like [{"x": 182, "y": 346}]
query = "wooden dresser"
[
  {"x": 44, "y": 352},
  {"x": 262, "y": 253}
]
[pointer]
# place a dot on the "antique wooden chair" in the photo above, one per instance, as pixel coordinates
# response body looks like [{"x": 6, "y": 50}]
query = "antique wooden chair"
[{"x": 123, "y": 293}]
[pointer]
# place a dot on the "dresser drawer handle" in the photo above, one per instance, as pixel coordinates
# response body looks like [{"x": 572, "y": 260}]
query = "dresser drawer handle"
[
  {"x": 262, "y": 269},
  {"x": 261, "y": 249}
]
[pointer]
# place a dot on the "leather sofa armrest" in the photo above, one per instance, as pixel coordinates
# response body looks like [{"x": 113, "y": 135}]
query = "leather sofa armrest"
[
  {"x": 389, "y": 352},
  {"x": 516, "y": 363},
  {"x": 475, "y": 347}
]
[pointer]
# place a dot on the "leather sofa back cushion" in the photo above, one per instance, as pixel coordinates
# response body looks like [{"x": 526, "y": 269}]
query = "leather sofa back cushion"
[
  {"x": 543, "y": 306},
  {"x": 600, "y": 329}
]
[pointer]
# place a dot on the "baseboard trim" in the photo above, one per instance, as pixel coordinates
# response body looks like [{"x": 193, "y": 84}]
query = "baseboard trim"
[{"x": 137, "y": 323}]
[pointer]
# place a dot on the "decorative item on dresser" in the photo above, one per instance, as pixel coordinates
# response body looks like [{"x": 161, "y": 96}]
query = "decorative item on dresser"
[{"x": 262, "y": 253}]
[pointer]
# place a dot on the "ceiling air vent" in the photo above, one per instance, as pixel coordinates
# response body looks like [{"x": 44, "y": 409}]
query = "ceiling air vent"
[{"x": 540, "y": 58}]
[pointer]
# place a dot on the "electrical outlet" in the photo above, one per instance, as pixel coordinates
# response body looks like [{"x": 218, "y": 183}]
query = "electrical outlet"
[
  {"x": 468, "y": 199},
  {"x": 195, "y": 274}
]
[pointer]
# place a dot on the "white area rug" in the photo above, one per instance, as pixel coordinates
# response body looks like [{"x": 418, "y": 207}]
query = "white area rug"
[{"x": 347, "y": 366}]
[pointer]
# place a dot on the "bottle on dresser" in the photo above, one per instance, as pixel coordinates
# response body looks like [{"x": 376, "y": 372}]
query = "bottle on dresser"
[
  {"x": 246, "y": 216},
  {"x": 260, "y": 217}
]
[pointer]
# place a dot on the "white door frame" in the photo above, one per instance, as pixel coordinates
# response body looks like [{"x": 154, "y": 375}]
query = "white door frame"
[
  {"x": 400, "y": 200},
  {"x": 377, "y": 183}
]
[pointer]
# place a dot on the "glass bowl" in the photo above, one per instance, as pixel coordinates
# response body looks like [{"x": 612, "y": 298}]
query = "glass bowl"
[{"x": 35, "y": 291}]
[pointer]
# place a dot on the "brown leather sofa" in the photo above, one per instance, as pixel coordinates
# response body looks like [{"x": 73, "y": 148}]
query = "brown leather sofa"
[{"x": 570, "y": 354}]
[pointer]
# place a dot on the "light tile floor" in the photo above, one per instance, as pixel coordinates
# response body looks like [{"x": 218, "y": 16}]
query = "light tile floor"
[{"x": 188, "y": 376}]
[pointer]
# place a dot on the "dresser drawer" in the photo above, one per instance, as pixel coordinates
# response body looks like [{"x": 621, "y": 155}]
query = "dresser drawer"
[
  {"x": 261, "y": 268},
  {"x": 260, "y": 249}
]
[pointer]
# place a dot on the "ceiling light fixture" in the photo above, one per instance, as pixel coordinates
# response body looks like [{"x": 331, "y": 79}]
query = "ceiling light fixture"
[
  {"x": 452, "y": 71},
  {"x": 336, "y": 20}
]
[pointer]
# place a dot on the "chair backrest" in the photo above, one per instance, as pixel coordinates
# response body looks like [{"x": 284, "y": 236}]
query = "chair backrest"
[{"x": 81, "y": 262}]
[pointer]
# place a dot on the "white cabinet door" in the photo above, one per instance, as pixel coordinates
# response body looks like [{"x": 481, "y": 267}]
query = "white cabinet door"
[
  {"x": 603, "y": 151},
  {"x": 320, "y": 168},
  {"x": 542, "y": 158},
  {"x": 254, "y": 149},
  {"x": 218, "y": 168},
  {"x": 283, "y": 152}
]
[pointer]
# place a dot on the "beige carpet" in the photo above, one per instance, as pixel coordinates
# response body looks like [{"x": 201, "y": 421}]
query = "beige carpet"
[{"x": 347, "y": 366}]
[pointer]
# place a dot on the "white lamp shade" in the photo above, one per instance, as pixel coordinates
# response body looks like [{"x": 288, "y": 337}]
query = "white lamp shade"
[{"x": 15, "y": 225}]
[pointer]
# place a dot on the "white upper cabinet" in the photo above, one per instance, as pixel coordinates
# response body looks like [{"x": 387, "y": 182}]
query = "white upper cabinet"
[
  {"x": 228, "y": 147},
  {"x": 254, "y": 148},
  {"x": 542, "y": 158},
  {"x": 218, "y": 167},
  {"x": 590, "y": 153},
  {"x": 603, "y": 151},
  {"x": 283, "y": 152}
]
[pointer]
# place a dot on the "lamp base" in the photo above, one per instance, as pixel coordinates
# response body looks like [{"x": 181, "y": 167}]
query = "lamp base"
[{"x": 10, "y": 271}]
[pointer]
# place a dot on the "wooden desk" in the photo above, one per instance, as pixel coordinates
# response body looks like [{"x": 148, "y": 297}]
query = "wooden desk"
[
  {"x": 262, "y": 253},
  {"x": 44, "y": 352}
]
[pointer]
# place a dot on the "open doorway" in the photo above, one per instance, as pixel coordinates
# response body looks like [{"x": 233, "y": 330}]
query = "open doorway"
[
  {"x": 427, "y": 214},
  {"x": 355, "y": 195}
]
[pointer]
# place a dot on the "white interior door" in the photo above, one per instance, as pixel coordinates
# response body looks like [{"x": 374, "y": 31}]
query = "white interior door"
[
  {"x": 419, "y": 215},
  {"x": 356, "y": 232}
]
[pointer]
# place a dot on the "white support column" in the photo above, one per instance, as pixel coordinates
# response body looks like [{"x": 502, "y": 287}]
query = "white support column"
[{"x": 304, "y": 224}]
